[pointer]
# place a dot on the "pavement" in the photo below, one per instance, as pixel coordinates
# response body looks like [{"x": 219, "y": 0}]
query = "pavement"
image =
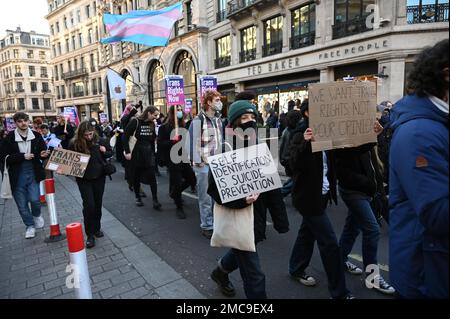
[{"x": 151, "y": 254}]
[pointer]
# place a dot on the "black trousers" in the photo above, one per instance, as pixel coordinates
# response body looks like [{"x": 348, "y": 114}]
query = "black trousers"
[
  {"x": 181, "y": 176},
  {"x": 92, "y": 195},
  {"x": 150, "y": 176}
]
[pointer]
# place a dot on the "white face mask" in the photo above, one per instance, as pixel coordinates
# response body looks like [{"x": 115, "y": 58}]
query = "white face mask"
[{"x": 218, "y": 106}]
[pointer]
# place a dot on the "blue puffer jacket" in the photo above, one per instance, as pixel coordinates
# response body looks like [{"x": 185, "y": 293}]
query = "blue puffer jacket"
[{"x": 419, "y": 195}]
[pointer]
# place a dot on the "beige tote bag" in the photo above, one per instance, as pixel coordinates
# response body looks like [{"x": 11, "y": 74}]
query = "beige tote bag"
[
  {"x": 233, "y": 228},
  {"x": 6, "y": 192}
]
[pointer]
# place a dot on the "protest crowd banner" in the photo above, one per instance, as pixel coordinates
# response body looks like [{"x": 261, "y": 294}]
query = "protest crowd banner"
[
  {"x": 67, "y": 162},
  {"x": 245, "y": 171},
  {"x": 342, "y": 114}
]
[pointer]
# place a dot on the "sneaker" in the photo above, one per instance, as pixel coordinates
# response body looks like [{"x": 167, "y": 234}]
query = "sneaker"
[
  {"x": 224, "y": 283},
  {"x": 381, "y": 285},
  {"x": 39, "y": 222},
  {"x": 305, "y": 279},
  {"x": 30, "y": 232},
  {"x": 207, "y": 233},
  {"x": 139, "y": 202},
  {"x": 353, "y": 269},
  {"x": 349, "y": 296}
]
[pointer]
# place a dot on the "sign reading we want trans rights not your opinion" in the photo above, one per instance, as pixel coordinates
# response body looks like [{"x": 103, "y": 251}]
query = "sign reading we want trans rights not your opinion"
[
  {"x": 342, "y": 114},
  {"x": 244, "y": 172}
]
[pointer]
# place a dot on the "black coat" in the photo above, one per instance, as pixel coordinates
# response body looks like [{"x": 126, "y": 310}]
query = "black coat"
[
  {"x": 64, "y": 137},
  {"x": 16, "y": 158},
  {"x": 355, "y": 169},
  {"x": 272, "y": 201},
  {"x": 94, "y": 168},
  {"x": 307, "y": 176}
]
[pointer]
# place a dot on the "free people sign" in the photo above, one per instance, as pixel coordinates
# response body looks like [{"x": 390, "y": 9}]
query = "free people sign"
[
  {"x": 244, "y": 172},
  {"x": 342, "y": 114},
  {"x": 68, "y": 163},
  {"x": 174, "y": 90}
]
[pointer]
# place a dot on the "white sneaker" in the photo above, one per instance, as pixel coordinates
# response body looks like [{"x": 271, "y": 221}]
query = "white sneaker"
[
  {"x": 30, "y": 233},
  {"x": 352, "y": 268},
  {"x": 39, "y": 222}
]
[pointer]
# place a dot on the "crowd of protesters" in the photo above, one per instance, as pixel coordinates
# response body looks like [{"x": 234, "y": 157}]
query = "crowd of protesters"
[{"x": 402, "y": 179}]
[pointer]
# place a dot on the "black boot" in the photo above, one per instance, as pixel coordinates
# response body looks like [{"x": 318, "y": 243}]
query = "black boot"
[
  {"x": 180, "y": 212},
  {"x": 90, "y": 242},
  {"x": 224, "y": 283},
  {"x": 156, "y": 204}
]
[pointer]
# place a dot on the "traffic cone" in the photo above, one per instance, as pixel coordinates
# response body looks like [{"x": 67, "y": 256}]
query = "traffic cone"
[
  {"x": 78, "y": 261},
  {"x": 55, "y": 232},
  {"x": 42, "y": 193}
]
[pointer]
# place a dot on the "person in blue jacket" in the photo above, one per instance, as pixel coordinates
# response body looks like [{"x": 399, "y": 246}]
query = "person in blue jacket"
[{"x": 419, "y": 175}]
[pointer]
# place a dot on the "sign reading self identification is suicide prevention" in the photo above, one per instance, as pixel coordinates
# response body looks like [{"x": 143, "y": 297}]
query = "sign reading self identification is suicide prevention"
[{"x": 244, "y": 172}]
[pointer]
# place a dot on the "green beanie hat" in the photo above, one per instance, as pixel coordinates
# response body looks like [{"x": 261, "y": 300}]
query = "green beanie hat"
[{"x": 239, "y": 108}]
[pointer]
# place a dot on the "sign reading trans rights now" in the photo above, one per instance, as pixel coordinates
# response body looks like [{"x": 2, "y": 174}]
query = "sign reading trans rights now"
[{"x": 243, "y": 172}]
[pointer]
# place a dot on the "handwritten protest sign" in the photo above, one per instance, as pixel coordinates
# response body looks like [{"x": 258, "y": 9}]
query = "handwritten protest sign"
[
  {"x": 342, "y": 114},
  {"x": 67, "y": 162},
  {"x": 244, "y": 172}
]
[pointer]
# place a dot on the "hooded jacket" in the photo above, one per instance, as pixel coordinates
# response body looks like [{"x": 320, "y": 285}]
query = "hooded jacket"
[{"x": 419, "y": 195}]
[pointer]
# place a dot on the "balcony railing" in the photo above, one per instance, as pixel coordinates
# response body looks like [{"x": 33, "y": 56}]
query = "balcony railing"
[
  {"x": 247, "y": 55},
  {"x": 272, "y": 48},
  {"x": 350, "y": 27},
  {"x": 303, "y": 40},
  {"x": 244, "y": 7},
  {"x": 221, "y": 15},
  {"x": 18, "y": 75},
  {"x": 74, "y": 74},
  {"x": 44, "y": 75},
  {"x": 20, "y": 90},
  {"x": 78, "y": 93},
  {"x": 222, "y": 62},
  {"x": 427, "y": 13}
]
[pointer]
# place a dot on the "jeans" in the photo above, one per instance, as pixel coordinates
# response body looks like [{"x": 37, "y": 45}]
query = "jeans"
[
  {"x": 205, "y": 202},
  {"x": 319, "y": 228},
  {"x": 287, "y": 188},
  {"x": 250, "y": 269},
  {"x": 92, "y": 195},
  {"x": 27, "y": 191},
  {"x": 360, "y": 217}
]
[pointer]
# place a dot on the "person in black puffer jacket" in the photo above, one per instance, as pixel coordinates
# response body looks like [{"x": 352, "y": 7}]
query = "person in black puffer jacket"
[{"x": 92, "y": 185}]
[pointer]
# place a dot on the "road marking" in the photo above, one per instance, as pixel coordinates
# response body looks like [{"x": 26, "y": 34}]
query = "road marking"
[
  {"x": 359, "y": 258},
  {"x": 190, "y": 195}
]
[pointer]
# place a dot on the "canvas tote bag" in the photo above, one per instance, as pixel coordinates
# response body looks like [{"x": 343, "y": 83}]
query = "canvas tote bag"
[
  {"x": 233, "y": 228},
  {"x": 6, "y": 192},
  {"x": 132, "y": 140}
]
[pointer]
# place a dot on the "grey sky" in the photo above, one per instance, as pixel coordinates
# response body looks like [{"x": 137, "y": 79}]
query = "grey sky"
[{"x": 29, "y": 14}]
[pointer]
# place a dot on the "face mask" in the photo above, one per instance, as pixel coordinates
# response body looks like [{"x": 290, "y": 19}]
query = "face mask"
[
  {"x": 180, "y": 115},
  {"x": 251, "y": 124},
  {"x": 218, "y": 106}
]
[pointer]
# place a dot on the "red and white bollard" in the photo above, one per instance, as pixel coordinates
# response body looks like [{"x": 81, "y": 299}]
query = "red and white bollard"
[
  {"x": 78, "y": 262},
  {"x": 42, "y": 193},
  {"x": 55, "y": 232}
]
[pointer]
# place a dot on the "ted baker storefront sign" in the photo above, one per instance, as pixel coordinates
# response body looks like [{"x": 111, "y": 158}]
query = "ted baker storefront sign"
[{"x": 322, "y": 56}]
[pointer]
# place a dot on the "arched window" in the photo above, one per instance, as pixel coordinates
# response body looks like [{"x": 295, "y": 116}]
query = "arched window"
[
  {"x": 156, "y": 90},
  {"x": 184, "y": 66}
]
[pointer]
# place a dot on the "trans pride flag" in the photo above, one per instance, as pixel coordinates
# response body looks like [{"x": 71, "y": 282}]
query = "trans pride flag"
[{"x": 151, "y": 28}]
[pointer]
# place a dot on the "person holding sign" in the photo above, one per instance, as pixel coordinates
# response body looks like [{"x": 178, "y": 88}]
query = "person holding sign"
[
  {"x": 64, "y": 131},
  {"x": 356, "y": 174},
  {"x": 142, "y": 158},
  {"x": 242, "y": 116},
  {"x": 314, "y": 178},
  {"x": 181, "y": 175},
  {"x": 24, "y": 150},
  {"x": 92, "y": 184}
]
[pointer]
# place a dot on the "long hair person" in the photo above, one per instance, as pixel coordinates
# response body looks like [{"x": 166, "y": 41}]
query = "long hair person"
[{"x": 92, "y": 184}]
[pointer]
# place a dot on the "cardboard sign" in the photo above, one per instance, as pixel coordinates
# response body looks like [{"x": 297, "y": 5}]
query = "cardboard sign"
[
  {"x": 68, "y": 163},
  {"x": 244, "y": 172},
  {"x": 342, "y": 114},
  {"x": 174, "y": 90}
]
